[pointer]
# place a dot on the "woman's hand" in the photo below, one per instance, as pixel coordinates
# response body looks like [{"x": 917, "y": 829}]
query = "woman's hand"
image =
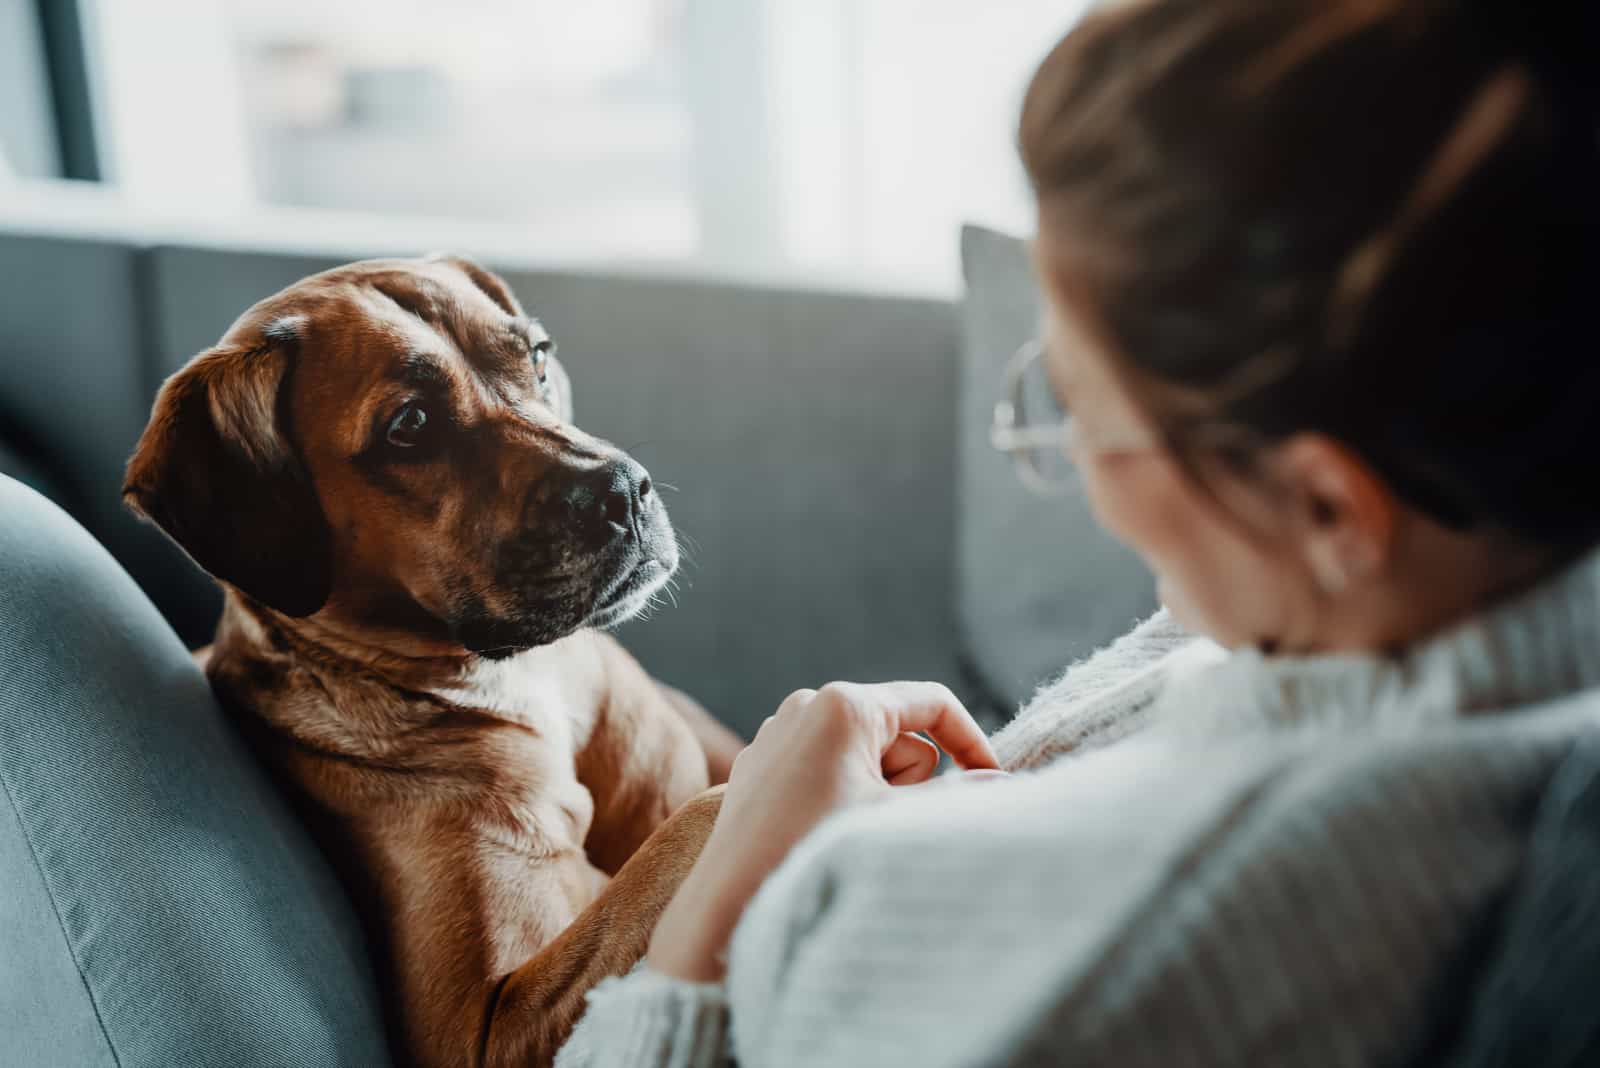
[{"x": 822, "y": 750}]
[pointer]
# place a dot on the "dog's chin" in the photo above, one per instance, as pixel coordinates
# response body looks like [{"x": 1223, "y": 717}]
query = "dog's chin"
[
  {"x": 497, "y": 639},
  {"x": 632, "y": 595},
  {"x": 616, "y": 602}
]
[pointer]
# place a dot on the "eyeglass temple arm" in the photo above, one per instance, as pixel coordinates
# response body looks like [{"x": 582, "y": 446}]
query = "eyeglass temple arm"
[{"x": 1008, "y": 438}]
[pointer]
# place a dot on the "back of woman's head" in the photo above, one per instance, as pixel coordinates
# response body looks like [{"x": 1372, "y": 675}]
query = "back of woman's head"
[{"x": 1376, "y": 219}]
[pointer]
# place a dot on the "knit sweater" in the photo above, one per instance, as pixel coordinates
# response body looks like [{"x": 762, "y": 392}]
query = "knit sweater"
[{"x": 1210, "y": 858}]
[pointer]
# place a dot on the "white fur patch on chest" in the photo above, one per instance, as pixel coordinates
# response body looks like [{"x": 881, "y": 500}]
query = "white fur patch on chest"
[{"x": 530, "y": 689}]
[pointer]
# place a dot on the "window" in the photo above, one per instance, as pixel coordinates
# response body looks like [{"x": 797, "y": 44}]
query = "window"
[
  {"x": 567, "y": 121},
  {"x": 832, "y": 137},
  {"x": 46, "y": 128},
  {"x": 28, "y": 145}
]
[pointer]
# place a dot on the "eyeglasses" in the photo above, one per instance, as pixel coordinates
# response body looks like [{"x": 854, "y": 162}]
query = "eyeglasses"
[{"x": 1044, "y": 450}]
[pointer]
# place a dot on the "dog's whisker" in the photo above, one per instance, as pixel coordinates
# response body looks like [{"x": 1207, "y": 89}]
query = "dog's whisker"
[{"x": 688, "y": 548}]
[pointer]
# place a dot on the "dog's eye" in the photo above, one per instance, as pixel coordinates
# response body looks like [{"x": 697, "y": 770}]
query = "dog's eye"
[
  {"x": 541, "y": 359},
  {"x": 405, "y": 429}
]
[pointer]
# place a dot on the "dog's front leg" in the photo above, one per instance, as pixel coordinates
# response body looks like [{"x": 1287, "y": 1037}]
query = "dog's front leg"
[
  {"x": 533, "y": 1010},
  {"x": 641, "y": 761},
  {"x": 720, "y": 743}
]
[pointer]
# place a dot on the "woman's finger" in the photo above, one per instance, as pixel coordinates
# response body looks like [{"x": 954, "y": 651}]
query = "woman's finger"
[
  {"x": 909, "y": 759},
  {"x": 932, "y": 709}
]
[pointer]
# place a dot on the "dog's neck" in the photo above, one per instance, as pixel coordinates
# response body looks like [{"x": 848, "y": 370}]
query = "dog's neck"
[
  {"x": 405, "y": 660},
  {"x": 524, "y": 688}
]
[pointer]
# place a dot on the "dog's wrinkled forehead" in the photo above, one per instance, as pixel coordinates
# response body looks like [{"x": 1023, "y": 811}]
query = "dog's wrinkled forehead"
[
  {"x": 448, "y": 301},
  {"x": 380, "y": 323}
]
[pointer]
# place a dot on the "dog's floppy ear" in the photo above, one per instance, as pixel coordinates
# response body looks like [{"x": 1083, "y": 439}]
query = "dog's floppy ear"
[
  {"x": 492, "y": 285},
  {"x": 215, "y": 469}
]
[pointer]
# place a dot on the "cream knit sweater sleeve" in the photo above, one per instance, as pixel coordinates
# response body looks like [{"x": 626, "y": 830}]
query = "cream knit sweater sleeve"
[{"x": 651, "y": 1021}]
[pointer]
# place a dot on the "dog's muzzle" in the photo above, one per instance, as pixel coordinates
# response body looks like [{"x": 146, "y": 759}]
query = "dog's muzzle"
[{"x": 617, "y": 516}]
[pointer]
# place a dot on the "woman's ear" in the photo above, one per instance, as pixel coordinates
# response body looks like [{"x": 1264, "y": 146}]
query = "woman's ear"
[{"x": 1343, "y": 514}]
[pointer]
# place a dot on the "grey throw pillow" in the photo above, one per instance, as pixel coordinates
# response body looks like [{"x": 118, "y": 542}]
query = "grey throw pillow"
[{"x": 1038, "y": 584}]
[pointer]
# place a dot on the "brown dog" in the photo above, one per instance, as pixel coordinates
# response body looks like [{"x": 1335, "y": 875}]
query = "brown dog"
[{"x": 417, "y": 549}]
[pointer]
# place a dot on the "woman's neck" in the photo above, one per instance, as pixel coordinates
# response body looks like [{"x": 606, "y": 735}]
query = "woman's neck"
[{"x": 1436, "y": 579}]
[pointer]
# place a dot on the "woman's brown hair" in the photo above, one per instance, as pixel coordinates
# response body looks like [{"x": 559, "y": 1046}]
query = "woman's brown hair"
[{"x": 1377, "y": 219}]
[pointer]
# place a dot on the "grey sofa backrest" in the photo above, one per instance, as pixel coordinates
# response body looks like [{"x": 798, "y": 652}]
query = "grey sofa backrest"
[{"x": 75, "y": 390}]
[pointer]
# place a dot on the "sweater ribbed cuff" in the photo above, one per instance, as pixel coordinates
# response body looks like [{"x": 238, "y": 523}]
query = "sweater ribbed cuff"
[{"x": 654, "y": 1020}]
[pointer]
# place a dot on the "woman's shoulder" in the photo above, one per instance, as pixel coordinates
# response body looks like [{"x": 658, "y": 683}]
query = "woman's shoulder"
[{"x": 1442, "y": 779}]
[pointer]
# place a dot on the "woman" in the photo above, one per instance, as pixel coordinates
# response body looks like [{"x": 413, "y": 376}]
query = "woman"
[{"x": 1317, "y": 275}]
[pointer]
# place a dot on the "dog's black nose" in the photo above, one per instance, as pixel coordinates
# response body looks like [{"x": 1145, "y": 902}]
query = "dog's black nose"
[{"x": 612, "y": 495}]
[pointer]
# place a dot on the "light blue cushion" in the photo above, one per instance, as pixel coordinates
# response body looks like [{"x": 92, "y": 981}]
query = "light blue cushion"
[{"x": 159, "y": 903}]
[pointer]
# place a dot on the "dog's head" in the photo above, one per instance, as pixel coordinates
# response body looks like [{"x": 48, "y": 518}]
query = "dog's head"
[{"x": 389, "y": 445}]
